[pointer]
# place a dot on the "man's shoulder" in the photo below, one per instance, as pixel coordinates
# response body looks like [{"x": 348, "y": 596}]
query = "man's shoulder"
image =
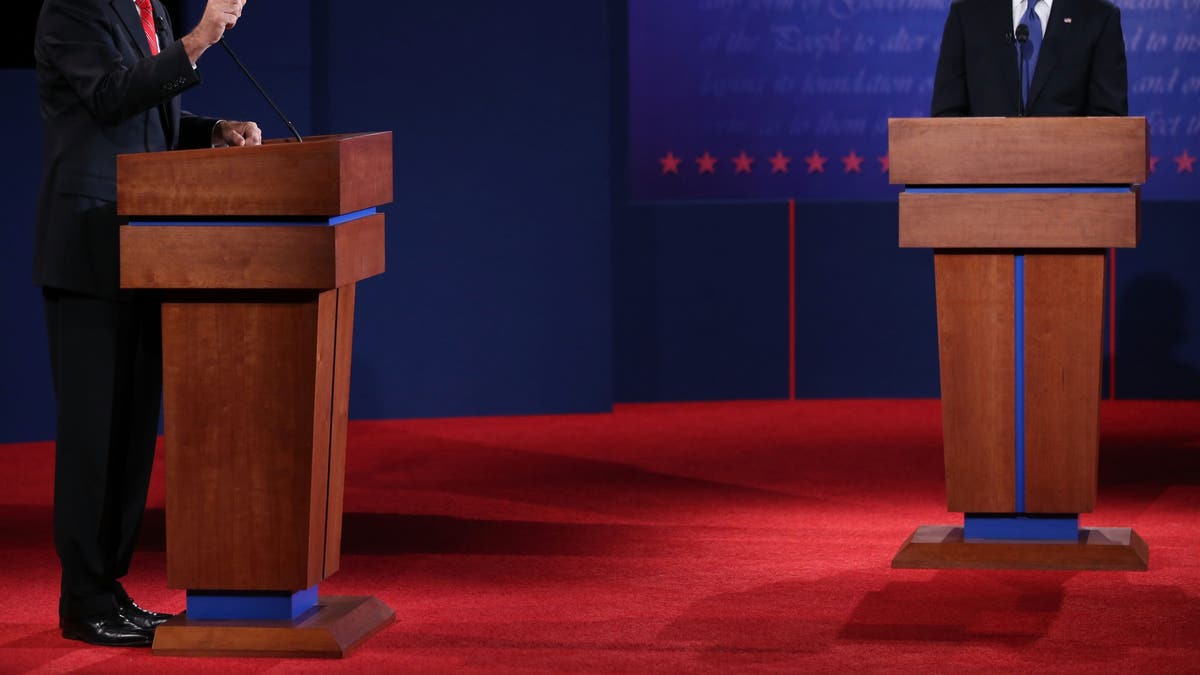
[
  {"x": 76, "y": 10},
  {"x": 74, "y": 5},
  {"x": 77, "y": 3},
  {"x": 1097, "y": 6}
]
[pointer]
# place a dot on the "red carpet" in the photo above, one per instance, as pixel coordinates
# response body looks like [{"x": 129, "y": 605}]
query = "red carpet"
[{"x": 682, "y": 538}]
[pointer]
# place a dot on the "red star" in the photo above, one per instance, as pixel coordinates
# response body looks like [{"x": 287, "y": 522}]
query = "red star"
[
  {"x": 885, "y": 164},
  {"x": 852, "y": 162},
  {"x": 707, "y": 163},
  {"x": 743, "y": 162},
  {"x": 779, "y": 163},
  {"x": 1184, "y": 163},
  {"x": 816, "y": 163},
  {"x": 670, "y": 163},
  {"x": 1153, "y": 164}
]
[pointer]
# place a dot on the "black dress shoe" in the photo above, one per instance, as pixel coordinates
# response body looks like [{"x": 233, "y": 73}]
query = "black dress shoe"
[
  {"x": 142, "y": 618},
  {"x": 107, "y": 630}
]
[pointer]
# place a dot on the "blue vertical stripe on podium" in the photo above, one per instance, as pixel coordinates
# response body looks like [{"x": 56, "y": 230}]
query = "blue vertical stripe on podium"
[
  {"x": 249, "y": 605},
  {"x": 1019, "y": 372}
]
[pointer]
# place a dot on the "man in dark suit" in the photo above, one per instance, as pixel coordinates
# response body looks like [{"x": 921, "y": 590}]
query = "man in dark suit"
[
  {"x": 109, "y": 76},
  {"x": 1072, "y": 63}
]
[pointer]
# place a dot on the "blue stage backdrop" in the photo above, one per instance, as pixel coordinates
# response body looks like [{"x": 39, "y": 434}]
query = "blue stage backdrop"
[
  {"x": 520, "y": 277},
  {"x": 497, "y": 297},
  {"x": 778, "y": 99}
]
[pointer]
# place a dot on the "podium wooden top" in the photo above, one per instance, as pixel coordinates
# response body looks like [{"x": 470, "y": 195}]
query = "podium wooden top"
[
  {"x": 323, "y": 176},
  {"x": 1019, "y": 151}
]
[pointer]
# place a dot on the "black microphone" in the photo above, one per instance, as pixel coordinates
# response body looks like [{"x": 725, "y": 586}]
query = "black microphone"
[
  {"x": 291, "y": 127},
  {"x": 1022, "y": 37}
]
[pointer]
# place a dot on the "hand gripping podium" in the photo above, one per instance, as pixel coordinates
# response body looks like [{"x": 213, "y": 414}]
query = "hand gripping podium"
[
  {"x": 256, "y": 253},
  {"x": 1019, "y": 212}
]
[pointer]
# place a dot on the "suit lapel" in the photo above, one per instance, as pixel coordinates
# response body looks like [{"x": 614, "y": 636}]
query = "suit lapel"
[
  {"x": 1000, "y": 16},
  {"x": 133, "y": 23},
  {"x": 1055, "y": 32}
]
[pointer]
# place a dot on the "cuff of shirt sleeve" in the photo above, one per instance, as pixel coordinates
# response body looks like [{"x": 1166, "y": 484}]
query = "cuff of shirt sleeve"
[{"x": 217, "y": 141}]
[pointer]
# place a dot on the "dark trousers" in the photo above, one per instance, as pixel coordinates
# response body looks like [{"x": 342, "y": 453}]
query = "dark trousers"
[{"x": 106, "y": 361}]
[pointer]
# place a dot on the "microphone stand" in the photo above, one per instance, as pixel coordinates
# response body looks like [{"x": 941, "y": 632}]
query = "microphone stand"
[{"x": 291, "y": 127}]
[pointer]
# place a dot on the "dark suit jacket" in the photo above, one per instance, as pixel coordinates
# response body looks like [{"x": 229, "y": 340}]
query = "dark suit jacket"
[
  {"x": 1081, "y": 69},
  {"x": 102, "y": 94}
]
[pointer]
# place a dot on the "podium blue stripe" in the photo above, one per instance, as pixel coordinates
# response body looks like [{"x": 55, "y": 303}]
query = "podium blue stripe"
[
  {"x": 249, "y": 605},
  {"x": 1019, "y": 371},
  {"x": 1020, "y": 189},
  {"x": 1012, "y": 527},
  {"x": 273, "y": 221}
]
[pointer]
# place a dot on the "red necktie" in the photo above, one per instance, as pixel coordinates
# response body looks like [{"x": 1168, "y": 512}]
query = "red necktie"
[{"x": 148, "y": 24}]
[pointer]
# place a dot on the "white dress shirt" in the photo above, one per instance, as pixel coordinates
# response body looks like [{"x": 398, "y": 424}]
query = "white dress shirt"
[{"x": 1042, "y": 9}]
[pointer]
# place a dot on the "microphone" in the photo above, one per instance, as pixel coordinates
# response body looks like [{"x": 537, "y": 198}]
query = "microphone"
[
  {"x": 291, "y": 127},
  {"x": 1022, "y": 38}
]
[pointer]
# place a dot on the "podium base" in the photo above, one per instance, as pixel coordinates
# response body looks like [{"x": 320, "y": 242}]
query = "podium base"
[
  {"x": 331, "y": 630},
  {"x": 1101, "y": 549}
]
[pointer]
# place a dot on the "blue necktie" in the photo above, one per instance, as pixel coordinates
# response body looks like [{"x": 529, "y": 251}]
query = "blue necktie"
[{"x": 1028, "y": 52}]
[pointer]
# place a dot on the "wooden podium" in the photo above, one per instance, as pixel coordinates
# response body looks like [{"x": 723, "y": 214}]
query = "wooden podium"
[
  {"x": 256, "y": 253},
  {"x": 1019, "y": 213}
]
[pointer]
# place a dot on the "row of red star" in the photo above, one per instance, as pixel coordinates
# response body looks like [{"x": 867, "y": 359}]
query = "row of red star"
[
  {"x": 780, "y": 163},
  {"x": 1184, "y": 163},
  {"x": 851, "y": 163}
]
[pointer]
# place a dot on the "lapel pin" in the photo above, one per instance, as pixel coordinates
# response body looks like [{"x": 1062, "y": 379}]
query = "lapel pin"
[{"x": 1067, "y": 20}]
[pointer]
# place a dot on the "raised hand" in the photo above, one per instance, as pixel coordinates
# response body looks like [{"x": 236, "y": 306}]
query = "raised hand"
[{"x": 219, "y": 16}]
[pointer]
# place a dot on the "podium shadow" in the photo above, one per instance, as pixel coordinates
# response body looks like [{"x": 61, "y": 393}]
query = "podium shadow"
[
  {"x": 399, "y": 534},
  {"x": 1013, "y": 609},
  {"x": 943, "y": 612},
  {"x": 388, "y": 534}
]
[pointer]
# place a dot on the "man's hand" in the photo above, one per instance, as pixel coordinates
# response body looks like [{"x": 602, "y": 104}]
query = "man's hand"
[
  {"x": 236, "y": 134},
  {"x": 219, "y": 16}
]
